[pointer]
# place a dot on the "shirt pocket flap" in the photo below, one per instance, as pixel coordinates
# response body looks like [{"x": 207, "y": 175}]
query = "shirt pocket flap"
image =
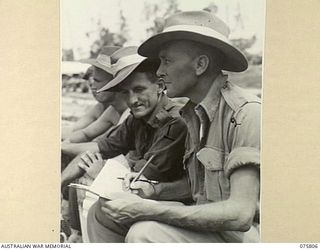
[{"x": 211, "y": 159}]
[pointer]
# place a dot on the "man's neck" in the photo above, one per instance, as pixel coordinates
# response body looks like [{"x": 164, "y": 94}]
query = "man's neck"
[{"x": 201, "y": 88}]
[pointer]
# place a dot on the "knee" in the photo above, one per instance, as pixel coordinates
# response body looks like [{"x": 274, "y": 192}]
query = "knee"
[
  {"x": 96, "y": 215},
  {"x": 92, "y": 213},
  {"x": 95, "y": 212},
  {"x": 142, "y": 232}
]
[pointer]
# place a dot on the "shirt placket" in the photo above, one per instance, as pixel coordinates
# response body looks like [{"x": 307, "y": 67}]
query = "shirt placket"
[{"x": 203, "y": 124}]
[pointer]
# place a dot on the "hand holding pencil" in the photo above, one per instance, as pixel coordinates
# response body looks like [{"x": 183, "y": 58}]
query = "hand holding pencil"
[{"x": 138, "y": 184}]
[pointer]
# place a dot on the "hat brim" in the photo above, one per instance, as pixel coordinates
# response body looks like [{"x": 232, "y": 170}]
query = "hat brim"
[
  {"x": 120, "y": 77},
  {"x": 234, "y": 60},
  {"x": 96, "y": 64}
]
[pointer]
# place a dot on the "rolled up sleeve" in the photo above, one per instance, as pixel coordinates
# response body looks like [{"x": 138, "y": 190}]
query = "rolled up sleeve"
[
  {"x": 244, "y": 138},
  {"x": 119, "y": 141}
]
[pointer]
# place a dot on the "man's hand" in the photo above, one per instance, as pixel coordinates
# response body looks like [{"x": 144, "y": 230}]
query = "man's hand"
[
  {"x": 142, "y": 188},
  {"x": 126, "y": 208},
  {"x": 92, "y": 163}
]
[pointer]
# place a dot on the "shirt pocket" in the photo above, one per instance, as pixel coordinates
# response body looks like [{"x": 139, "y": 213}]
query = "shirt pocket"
[{"x": 216, "y": 185}]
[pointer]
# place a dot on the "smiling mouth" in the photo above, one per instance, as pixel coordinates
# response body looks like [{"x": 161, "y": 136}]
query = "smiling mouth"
[{"x": 136, "y": 106}]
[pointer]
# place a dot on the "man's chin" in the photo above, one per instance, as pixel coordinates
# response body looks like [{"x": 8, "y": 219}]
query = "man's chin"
[{"x": 138, "y": 114}]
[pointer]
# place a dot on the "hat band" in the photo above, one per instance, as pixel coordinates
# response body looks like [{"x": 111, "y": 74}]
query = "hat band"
[
  {"x": 126, "y": 61},
  {"x": 205, "y": 31}
]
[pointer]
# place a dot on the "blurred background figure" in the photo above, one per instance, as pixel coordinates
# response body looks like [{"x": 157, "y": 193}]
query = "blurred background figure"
[{"x": 107, "y": 112}]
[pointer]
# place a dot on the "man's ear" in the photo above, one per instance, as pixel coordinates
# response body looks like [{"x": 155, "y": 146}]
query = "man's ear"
[{"x": 201, "y": 64}]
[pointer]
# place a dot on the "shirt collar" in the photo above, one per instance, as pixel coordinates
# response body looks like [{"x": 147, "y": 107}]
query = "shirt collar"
[
  {"x": 211, "y": 101},
  {"x": 157, "y": 118}
]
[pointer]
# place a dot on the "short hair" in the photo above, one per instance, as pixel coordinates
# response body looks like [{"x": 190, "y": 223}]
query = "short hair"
[
  {"x": 216, "y": 56},
  {"x": 195, "y": 49},
  {"x": 149, "y": 67}
]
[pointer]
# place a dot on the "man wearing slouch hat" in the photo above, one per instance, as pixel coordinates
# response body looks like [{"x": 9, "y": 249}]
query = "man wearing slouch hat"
[
  {"x": 222, "y": 155},
  {"x": 153, "y": 129}
]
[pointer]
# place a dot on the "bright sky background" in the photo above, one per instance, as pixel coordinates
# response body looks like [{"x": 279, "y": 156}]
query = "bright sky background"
[{"x": 79, "y": 17}]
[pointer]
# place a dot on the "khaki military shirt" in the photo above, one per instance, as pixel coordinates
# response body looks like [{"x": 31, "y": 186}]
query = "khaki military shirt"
[
  {"x": 223, "y": 135},
  {"x": 162, "y": 135}
]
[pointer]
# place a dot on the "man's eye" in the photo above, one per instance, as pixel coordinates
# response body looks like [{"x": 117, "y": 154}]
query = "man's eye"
[
  {"x": 139, "y": 89},
  {"x": 165, "y": 60}
]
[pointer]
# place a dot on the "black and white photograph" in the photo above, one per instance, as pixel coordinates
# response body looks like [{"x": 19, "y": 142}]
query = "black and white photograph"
[{"x": 161, "y": 120}]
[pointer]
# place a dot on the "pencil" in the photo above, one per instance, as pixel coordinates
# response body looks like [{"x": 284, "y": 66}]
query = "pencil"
[
  {"x": 142, "y": 169},
  {"x": 149, "y": 181}
]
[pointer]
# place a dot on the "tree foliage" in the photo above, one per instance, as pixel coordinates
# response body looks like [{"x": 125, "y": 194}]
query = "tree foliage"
[{"x": 156, "y": 14}]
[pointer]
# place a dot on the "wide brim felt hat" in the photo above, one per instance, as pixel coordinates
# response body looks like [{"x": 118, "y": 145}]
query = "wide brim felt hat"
[
  {"x": 123, "y": 62},
  {"x": 103, "y": 60},
  {"x": 119, "y": 78},
  {"x": 201, "y": 27}
]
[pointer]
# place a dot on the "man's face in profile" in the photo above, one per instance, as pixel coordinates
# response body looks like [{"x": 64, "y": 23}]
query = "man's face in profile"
[
  {"x": 100, "y": 79},
  {"x": 140, "y": 93},
  {"x": 177, "y": 68}
]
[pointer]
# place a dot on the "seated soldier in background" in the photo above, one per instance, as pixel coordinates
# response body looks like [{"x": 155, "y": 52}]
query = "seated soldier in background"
[
  {"x": 154, "y": 127},
  {"x": 105, "y": 114}
]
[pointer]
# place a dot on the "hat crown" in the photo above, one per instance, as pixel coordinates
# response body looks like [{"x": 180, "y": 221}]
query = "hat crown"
[
  {"x": 108, "y": 50},
  {"x": 198, "y": 18},
  {"x": 103, "y": 59},
  {"x": 125, "y": 57},
  {"x": 123, "y": 52},
  {"x": 201, "y": 27}
]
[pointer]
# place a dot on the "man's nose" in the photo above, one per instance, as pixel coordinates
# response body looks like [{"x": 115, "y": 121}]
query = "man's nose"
[
  {"x": 132, "y": 98},
  {"x": 160, "y": 71}
]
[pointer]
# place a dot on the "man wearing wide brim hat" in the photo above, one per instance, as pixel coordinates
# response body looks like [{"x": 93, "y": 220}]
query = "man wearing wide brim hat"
[
  {"x": 223, "y": 142},
  {"x": 154, "y": 130},
  {"x": 102, "y": 66},
  {"x": 104, "y": 115},
  {"x": 103, "y": 59}
]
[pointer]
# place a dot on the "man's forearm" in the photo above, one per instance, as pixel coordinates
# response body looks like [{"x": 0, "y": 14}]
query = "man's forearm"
[
  {"x": 173, "y": 191},
  {"x": 71, "y": 172},
  {"x": 78, "y": 136},
  {"x": 233, "y": 214},
  {"x": 220, "y": 216},
  {"x": 74, "y": 149}
]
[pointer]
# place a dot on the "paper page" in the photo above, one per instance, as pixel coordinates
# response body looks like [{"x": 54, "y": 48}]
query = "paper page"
[{"x": 106, "y": 182}]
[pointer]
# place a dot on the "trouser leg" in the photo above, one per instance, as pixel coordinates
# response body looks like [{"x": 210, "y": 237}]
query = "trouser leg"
[
  {"x": 73, "y": 210},
  {"x": 156, "y": 232},
  {"x": 102, "y": 229}
]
